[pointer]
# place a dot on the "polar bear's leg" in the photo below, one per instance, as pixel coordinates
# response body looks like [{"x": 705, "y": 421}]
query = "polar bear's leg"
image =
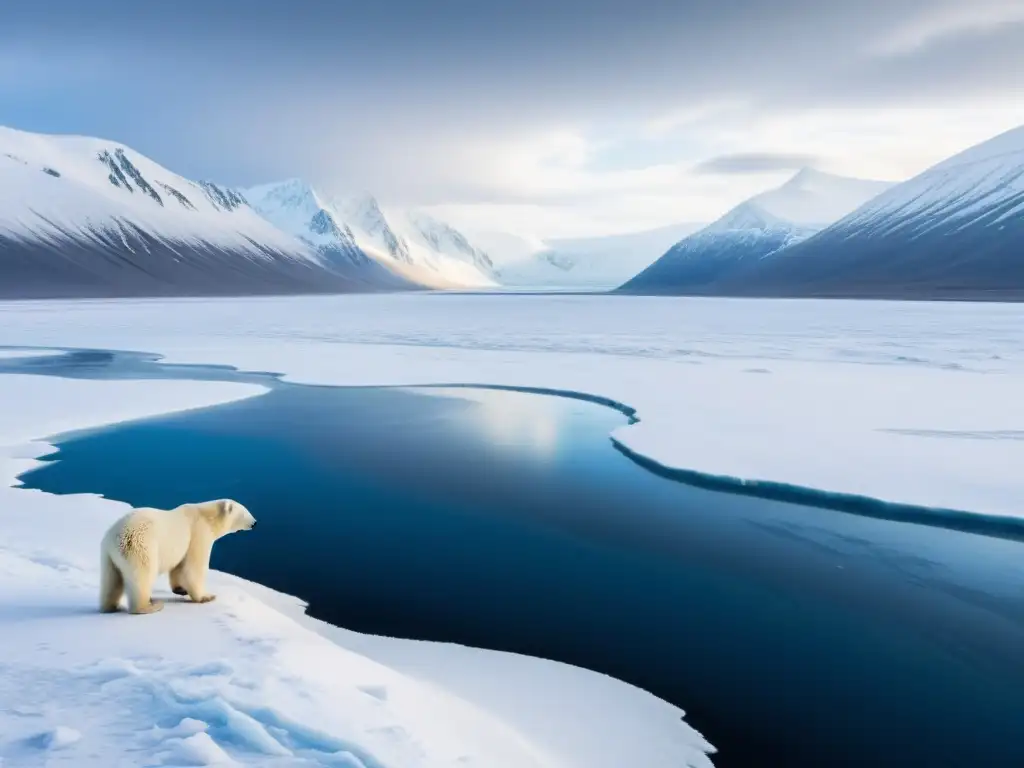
[
  {"x": 111, "y": 585},
  {"x": 140, "y": 587},
  {"x": 194, "y": 569},
  {"x": 177, "y": 579}
]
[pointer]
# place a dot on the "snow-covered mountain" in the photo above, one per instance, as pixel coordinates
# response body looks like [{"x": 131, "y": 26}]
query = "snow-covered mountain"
[
  {"x": 755, "y": 229},
  {"x": 87, "y": 217},
  {"x": 407, "y": 242},
  {"x": 954, "y": 231},
  {"x": 446, "y": 247},
  {"x": 579, "y": 263}
]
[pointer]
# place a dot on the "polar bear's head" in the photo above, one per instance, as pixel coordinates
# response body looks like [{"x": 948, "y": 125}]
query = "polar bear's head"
[{"x": 231, "y": 516}]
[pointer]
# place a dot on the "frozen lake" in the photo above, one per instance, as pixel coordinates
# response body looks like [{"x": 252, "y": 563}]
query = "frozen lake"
[
  {"x": 908, "y": 403},
  {"x": 791, "y": 634}
]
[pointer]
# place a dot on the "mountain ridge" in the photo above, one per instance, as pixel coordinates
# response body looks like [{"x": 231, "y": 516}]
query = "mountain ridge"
[
  {"x": 758, "y": 228},
  {"x": 88, "y": 217},
  {"x": 954, "y": 231},
  {"x": 408, "y": 242}
]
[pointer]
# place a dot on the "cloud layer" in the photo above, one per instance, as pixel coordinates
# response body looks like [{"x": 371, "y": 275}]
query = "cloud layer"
[
  {"x": 596, "y": 113},
  {"x": 755, "y": 162}
]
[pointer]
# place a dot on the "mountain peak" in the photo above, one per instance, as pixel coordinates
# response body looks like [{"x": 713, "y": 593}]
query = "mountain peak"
[
  {"x": 356, "y": 202},
  {"x": 74, "y": 210},
  {"x": 429, "y": 250},
  {"x": 808, "y": 176},
  {"x": 289, "y": 189},
  {"x": 756, "y": 229},
  {"x": 815, "y": 199},
  {"x": 746, "y": 216}
]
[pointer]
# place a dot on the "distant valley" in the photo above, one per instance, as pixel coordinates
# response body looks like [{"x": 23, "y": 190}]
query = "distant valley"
[{"x": 85, "y": 217}]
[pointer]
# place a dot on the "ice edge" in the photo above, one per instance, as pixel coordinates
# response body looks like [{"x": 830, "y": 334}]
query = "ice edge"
[{"x": 964, "y": 521}]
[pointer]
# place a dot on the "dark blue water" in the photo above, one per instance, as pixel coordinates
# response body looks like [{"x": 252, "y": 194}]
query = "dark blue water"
[{"x": 791, "y": 634}]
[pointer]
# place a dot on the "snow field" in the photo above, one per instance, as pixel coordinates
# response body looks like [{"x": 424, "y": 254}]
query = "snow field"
[{"x": 913, "y": 403}]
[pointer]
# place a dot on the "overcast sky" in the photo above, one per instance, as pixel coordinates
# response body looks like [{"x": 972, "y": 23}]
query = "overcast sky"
[{"x": 547, "y": 117}]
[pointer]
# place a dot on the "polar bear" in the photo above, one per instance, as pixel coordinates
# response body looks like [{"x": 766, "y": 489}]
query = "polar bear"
[{"x": 147, "y": 542}]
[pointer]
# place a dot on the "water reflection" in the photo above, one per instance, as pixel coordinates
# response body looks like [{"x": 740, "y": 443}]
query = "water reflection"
[{"x": 511, "y": 419}]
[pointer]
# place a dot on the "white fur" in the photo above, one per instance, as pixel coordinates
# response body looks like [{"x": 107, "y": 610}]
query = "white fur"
[{"x": 148, "y": 542}]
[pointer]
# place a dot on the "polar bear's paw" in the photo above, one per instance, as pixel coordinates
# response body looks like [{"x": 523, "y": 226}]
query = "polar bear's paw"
[{"x": 152, "y": 607}]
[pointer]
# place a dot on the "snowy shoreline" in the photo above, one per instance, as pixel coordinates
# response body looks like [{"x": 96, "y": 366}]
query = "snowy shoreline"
[
  {"x": 256, "y": 679},
  {"x": 965, "y": 521}
]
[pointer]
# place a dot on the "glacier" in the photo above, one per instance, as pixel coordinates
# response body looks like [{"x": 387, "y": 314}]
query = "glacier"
[{"x": 582, "y": 263}]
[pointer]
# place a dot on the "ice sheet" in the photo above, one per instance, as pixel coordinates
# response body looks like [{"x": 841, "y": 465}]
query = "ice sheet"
[{"x": 915, "y": 403}]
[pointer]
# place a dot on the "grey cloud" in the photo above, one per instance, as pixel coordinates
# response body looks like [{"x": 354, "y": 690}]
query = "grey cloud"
[
  {"x": 957, "y": 68},
  {"x": 377, "y": 93},
  {"x": 754, "y": 162},
  {"x": 551, "y": 56}
]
